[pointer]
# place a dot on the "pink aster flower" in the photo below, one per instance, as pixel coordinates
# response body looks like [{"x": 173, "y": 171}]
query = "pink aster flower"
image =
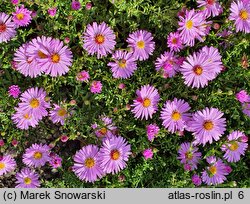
[
  {"x": 192, "y": 26},
  {"x": 114, "y": 154},
  {"x": 99, "y": 39},
  {"x": 33, "y": 101},
  {"x": 14, "y": 91},
  {"x": 242, "y": 96},
  {"x": 55, "y": 161},
  {"x": 207, "y": 125},
  {"x": 211, "y": 7},
  {"x": 1, "y": 143},
  {"x": 234, "y": 146},
  {"x": 24, "y": 119},
  {"x": 22, "y": 16},
  {"x": 87, "y": 164},
  {"x": 167, "y": 63},
  {"x": 83, "y": 76},
  {"x": 96, "y": 87},
  {"x": 57, "y": 58},
  {"x": 26, "y": 64},
  {"x": 124, "y": 65},
  {"x": 14, "y": 2},
  {"x": 106, "y": 128},
  {"x": 145, "y": 105},
  {"x": 175, "y": 115},
  {"x": 142, "y": 43},
  {"x": 174, "y": 42},
  {"x": 240, "y": 14},
  {"x": 36, "y": 155},
  {"x": 88, "y": 5},
  {"x": 215, "y": 172},
  {"x": 27, "y": 178},
  {"x": 213, "y": 58},
  {"x": 58, "y": 114},
  {"x": 148, "y": 154},
  {"x": 152, "y": 131},
  {"x": 196, "y": 179},
  {"x": 52, "y": 11},
  {"x": 7, "y": 164},
  {"x": 64, "y": 138},
  {"x": 7, "y": 28},
  {"x": 75, "y": 5},
  {"x": 189, "y": 155},
  {"x": 197, "y": 71}
]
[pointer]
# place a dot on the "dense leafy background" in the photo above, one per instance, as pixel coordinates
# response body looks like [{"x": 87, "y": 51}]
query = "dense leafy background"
[{"x": 158, "y": 17}]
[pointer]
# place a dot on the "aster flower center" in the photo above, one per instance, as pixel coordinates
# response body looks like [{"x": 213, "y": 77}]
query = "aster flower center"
[
  {"x": 41, "y": 54},
  {"x": 27, "y": 180},
  {"x": 37, "y": 155},
  {"x": 213, "y": 170},
  {"x": 244, "y": 14},
  {"x": 189, "y": 24},
  {"x": 29, "y": 60},
  {"x": 174, "y": 41},
  {"x": 62, "y": 112},
  {"x": 89, "y": 162},
  {"x": 2, "y": 165},
  {"x": 140, "y": 44},
  {"x": 115, "y": 154},
  {"x": 2, "y": 27},
  {"x": 103, "y": 131},
  {"x": 122, "y": 63},
  {"x": 234, "y": 146},
  {"x": 176, "y": 116},
  {"x": 20, "y": 16},
  {"x": 34, "y": 103},
  {"x": 99, "y": 39},
  {"x": 27, "y": 116},
  {"x": 210, "y": 2},
  {"x": 189, "y": 155},
  {"x": 198, "y": 70},
  {"x": 208, "y": 125},
  {"x": 146, "y": 102},
  {"x": 55, "y": 58}
]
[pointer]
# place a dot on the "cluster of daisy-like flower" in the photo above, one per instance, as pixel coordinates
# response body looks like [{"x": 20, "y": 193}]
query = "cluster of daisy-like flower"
[
  {"x": 33, "y": 107},
  {"x": 43, "y": 55},
  {"x": 35, "y": 156},
  {"x": 244, "y": 98},
  {"x": 92, "y": 162},
  {"x": 8, "y": 24},
  {"x": 100, "y": 40}
]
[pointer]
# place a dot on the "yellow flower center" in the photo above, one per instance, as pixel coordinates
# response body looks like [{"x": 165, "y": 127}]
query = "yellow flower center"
[
  {"x": 174, "y": 41},
  {"x": 55, "y": 58},
  {"x": 89, "y": 162},
  {"x": 176, "y": 116},
  {"x": 140, "y": 44},
  {"x": 122, "y": 63},
  {"x": 103, "y": 131},
  {"x": 2, "y": 27},
  {"x": 189, "y": 155},
  {"x": 99, "y": 39},
  {"x": 243, "y": 14},
  {"x": 62, "y": 112},
  {"x": 37, "y": 155},
  {"x": 20, "y": 16},
  {"x": 115, "y": 154},
  {"x": 27, "y": 180},
  {"x": 189, "y": 24},
  {"x": 41, "y": 54},
  {"x": 234, "y": 146},
  {"x": 213, "y": 170},
  {"x": 34, "y": 103},
  {"x": 146, "y": 102},
  {"x": 198, "y": 70},
  {"x": 208, "y": 125},
  {"x": 2, "y": 165},
  {"x": 27, "y": 116}
]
